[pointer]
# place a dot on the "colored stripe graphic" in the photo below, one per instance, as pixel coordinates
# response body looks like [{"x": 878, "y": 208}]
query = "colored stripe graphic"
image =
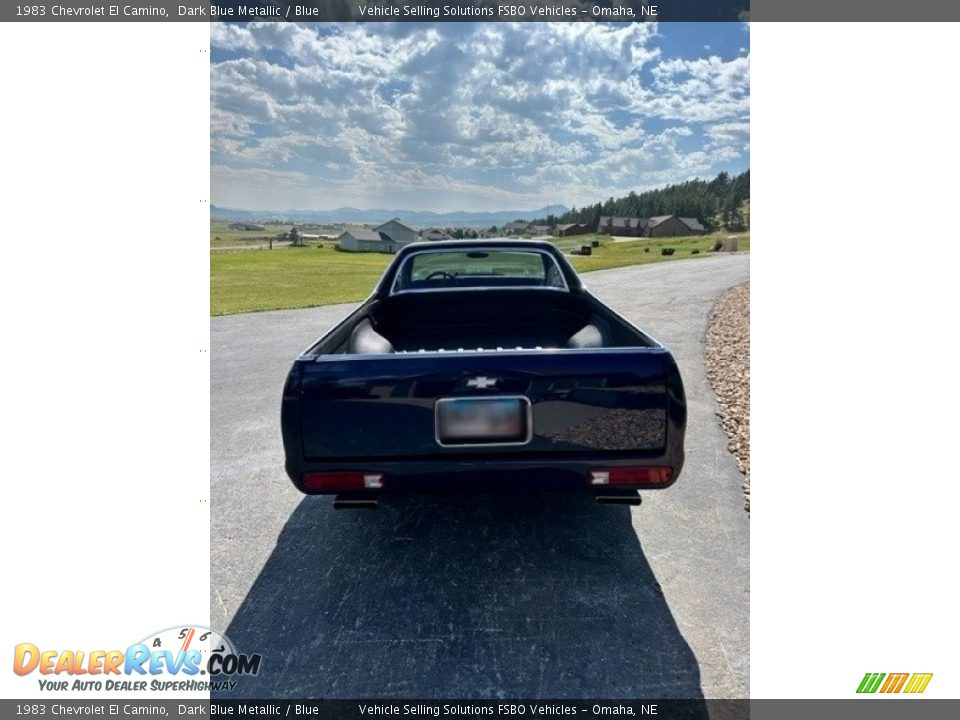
[
  {"x": 870, "y": 682},
  {"x": 918, "y": 682},
  {"x": 894, "y": 682}
]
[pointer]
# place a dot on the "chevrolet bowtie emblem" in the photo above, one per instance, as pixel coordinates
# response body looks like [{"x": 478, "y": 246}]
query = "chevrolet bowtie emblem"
[{"x": 482, "y": 382}]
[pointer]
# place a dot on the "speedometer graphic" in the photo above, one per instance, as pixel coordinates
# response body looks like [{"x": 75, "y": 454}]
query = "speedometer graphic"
[{"x": 216, "y": 652}]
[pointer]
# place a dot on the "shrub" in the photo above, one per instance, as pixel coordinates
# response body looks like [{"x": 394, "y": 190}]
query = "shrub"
[
  {"x": 718, "y": 246},
  {"x": 646, "y": 249},
  {"x": 695, "y": 251},
  {"x": 667, "y": 251}
]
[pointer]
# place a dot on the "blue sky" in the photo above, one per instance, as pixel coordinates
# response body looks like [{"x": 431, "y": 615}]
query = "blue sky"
[{"x": 474, "y": 116}]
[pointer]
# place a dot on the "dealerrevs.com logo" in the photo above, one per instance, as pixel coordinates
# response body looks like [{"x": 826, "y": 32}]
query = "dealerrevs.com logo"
[
  {"x": 911, "y": 683},
  {"x": 182, "y": 659}
]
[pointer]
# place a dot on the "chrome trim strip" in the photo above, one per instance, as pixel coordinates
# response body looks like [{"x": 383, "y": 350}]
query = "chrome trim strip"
[{"x": 411, "y": 291}]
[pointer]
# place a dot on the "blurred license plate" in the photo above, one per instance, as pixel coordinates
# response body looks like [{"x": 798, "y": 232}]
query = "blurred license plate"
[{"x": 482, "y": 421}]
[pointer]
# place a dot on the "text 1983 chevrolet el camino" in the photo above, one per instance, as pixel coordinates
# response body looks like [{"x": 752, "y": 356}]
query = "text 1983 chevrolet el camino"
[{"x": 481, "y": 365}]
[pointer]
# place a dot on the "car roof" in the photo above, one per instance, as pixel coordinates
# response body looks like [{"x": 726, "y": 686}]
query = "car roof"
[{"x": 500, "y": 243}]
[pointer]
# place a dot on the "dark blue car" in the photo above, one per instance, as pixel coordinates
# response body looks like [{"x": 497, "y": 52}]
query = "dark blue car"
[{"x": 480, "y": 365}]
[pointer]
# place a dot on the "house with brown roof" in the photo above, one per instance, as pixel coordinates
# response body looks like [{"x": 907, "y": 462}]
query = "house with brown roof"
[
  {"x": 622, "y": 226},
  {"x": 673, "y": 226},
  {"x": 659, "y": 226},
  {"x": 570, "y": 229},
  {"x": 694, "y": 225}
]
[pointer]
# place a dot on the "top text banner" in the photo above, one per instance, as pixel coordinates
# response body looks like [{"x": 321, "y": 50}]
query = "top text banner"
[
  {"x": 482, "y": 11},
  {"x": 380, "y": 11}
]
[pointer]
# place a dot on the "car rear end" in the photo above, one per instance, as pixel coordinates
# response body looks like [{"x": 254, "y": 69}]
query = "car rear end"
[
  {"x": 608, "y": 421},
  {"x": 481, "y": 367}
]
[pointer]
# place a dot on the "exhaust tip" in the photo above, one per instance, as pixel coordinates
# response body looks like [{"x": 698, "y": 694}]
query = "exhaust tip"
[
  {"x": 345, "y": 502},
  {"x": 632, "y": 498}
]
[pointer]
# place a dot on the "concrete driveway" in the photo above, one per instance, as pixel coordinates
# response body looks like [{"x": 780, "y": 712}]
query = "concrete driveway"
[{"x": 490, "y": 596}]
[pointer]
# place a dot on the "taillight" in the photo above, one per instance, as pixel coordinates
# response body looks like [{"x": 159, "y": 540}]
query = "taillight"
[
  {"x": 631, "y": 476},
  {"x": 343, "y": 481}
]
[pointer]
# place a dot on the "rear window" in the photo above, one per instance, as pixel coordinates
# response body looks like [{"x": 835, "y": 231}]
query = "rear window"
[{"x": 451, "y": 269}]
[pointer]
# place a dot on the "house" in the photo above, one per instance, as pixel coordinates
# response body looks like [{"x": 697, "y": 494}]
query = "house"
[
  {"x": 659, "y": 226},
  {"x": 541, "y": 229},
  {"x": 246, "y": 226},
  {"x": 397, "y": 233},
  {"x": 570, "y": 229},
  {"x": 515, "y": 228},
  {"x": 434, "y": 234},
  {"x": 623, "y": 226},
  {"x": 673, "y": 226},
  {"x": 389, "y": 237},
  {"x": 357, "y": 239},
  {"x": 694, "y": 225}
]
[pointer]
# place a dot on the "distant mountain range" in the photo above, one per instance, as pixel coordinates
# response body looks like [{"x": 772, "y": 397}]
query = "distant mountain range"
[{"x": 366, "y": 217}]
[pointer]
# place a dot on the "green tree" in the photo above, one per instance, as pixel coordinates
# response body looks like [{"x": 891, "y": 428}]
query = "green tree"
[{"x": 712, "y": 202}]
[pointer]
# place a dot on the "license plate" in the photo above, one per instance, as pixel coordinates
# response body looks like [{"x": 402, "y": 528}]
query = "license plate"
[{"x": 483, "y": 421}]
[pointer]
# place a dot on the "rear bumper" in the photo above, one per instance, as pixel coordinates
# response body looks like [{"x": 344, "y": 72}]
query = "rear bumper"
[{"x": 515, "y": 475}]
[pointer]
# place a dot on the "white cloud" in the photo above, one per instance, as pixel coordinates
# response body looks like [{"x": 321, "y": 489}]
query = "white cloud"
[{"x": 459, "y": 115}]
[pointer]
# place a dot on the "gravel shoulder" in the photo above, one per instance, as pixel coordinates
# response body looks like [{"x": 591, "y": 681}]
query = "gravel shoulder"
[{"x": 728, "y": 367}]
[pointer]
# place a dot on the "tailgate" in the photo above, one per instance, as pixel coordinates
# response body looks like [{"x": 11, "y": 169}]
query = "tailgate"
[{"x": 579, "y": 401}]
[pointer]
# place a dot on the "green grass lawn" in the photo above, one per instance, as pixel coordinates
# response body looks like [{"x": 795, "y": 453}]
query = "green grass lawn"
[
  {"x": 286, "y": 277},
  {"x": 641, "y": 251}
]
